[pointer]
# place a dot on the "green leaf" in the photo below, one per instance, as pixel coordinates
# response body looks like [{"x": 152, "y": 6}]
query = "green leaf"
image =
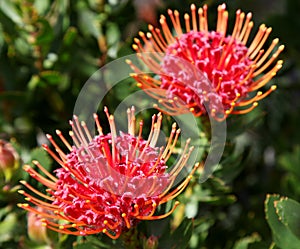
[
  {"x": 70, "y": 36},
  {"x": 288, "y": 211},
  {"x": 244, "y": 242},
  {"x": 86, "y": 245},
  {"x": 51, "y": 77},
  {"x": 180, "y": 238},
  {"x": 7, "y": 226},
  {"x": 42, "y": 6},
  {"x": 290, "y": 160},
  {"x": 88, "y": 23},
  {"x": 112, "y": 34},
  {"x": 45, "y": 34},
  {"x": 282, "y": 235},
  {"x": 10, "y": 10},
  {"x": 42, "y": 156}
]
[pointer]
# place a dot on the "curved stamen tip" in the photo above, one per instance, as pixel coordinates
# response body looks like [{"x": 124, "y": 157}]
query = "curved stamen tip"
[
  {"x": 48, "y": 136},
  {"x": 21, "y": 192},
  {"x": 255, "y": 104},
  {"x": 26, "y": 167},
  {"x": 45, "y": 146},
  {"x": 274, "y": 87}
]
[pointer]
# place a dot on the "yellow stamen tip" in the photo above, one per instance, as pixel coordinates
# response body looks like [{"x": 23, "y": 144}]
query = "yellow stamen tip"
[
  {"x": 61, "y": 227},
  {"x": 123, "y": 215},
  {"x": 274, "y": 87}
]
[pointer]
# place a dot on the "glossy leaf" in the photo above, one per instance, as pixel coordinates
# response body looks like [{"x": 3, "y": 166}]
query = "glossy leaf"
[
  {"x": 288, "y": 211},
  {"x": 282, "y": 235}
]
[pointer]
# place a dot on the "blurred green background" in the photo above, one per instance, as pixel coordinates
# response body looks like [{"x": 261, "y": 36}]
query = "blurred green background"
[{"x": 49, "y": 48}]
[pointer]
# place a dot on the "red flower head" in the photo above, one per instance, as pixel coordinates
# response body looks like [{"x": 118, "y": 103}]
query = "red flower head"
[
  {"x": 108, "y": 183},
  {"x": 206, "y": 71}
]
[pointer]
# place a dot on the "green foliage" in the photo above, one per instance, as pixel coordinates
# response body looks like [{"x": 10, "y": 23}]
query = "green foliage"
[
  {"x": 283, "y": 216},
  {"x": 178, "y": 238}
]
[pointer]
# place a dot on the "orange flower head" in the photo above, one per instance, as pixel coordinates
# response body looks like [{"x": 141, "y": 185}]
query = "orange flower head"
[
  {"x": 206, "y": 72},
  {"x": 107, "y": 183}
]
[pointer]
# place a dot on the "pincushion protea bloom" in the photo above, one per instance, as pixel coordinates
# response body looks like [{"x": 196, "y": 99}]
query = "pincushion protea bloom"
[
  {"x": 108, "y": 183},
  {"x": 206, "y": 71}
]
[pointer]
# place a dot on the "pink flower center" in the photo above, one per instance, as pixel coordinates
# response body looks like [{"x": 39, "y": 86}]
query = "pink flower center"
[
  {"x": 206, "y": 70},
  {"x": 108, "y": 189}
]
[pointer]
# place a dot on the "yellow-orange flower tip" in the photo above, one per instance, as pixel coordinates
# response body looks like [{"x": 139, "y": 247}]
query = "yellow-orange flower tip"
[
  {"x": 246, "y": 64},
  {"x": 21, "y": 192}
]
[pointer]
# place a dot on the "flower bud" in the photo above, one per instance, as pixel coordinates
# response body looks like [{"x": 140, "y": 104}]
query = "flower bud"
[
  {"x": 35, "y": 229},
  {"x": 151, "y": 243},
  {"x": 9, "y": 159}
]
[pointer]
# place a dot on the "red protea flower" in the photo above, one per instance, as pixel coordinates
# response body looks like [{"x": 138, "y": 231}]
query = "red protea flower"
[
  {"x": 108, "y": 183},
  {"x": 206, "y": 71}
]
